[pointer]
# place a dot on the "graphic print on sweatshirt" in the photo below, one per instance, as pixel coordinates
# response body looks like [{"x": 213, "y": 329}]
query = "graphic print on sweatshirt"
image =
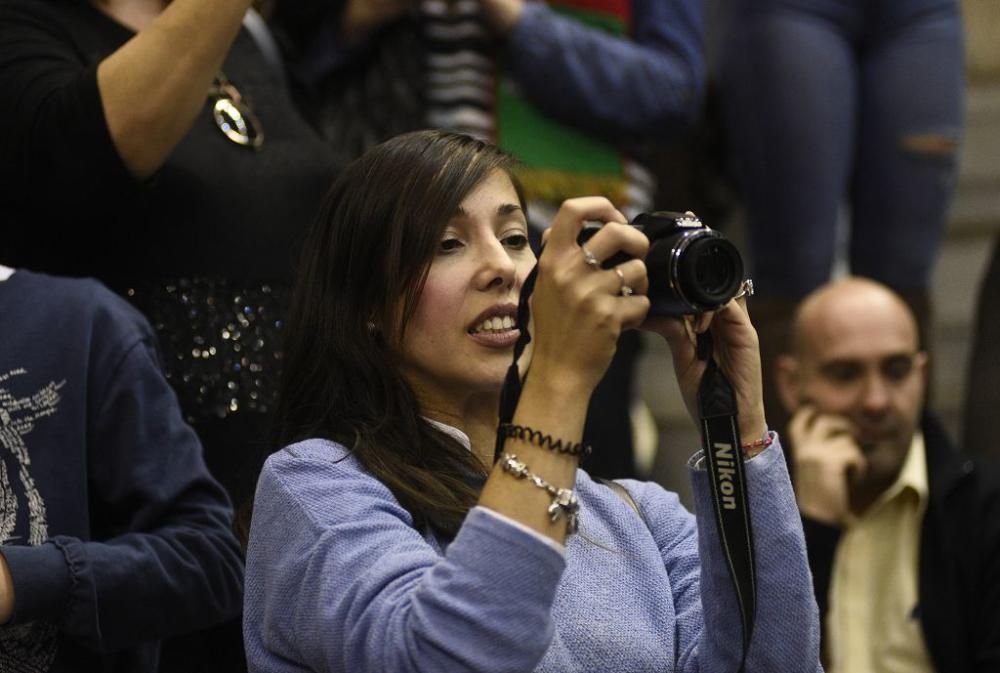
[{"x": 31, "y": 647}]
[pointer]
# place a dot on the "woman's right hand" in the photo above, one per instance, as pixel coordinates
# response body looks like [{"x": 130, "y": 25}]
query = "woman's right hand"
[
  {"x": 578, "y": 308},
  {"x": 578, "y": 312}
]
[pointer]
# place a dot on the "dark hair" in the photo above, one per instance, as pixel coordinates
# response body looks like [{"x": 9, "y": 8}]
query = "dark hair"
[{"x": 363, "y": 268}]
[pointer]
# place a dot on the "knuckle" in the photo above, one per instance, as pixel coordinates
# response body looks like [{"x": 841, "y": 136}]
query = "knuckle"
[
  {"x": 604, "y": 202},
  {"x": 642, "y": 242},
  {"x": 591, "y": 302},
  {"x": 564, "y": 278}
]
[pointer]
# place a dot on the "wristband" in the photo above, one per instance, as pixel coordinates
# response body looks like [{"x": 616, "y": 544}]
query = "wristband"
[
  {"x": 759, "y": 444},
  {"x": 532, "y": 436}
]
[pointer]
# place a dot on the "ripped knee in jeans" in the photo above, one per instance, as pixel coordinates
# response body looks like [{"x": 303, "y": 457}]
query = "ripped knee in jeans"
[{"x": 930, "y": 144}]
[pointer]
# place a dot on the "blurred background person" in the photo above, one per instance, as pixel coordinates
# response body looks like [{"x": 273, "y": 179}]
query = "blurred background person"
[
  {"x": 902, "y": 529},
  {"x": 113, "y": 535},
  {"x": 154, "y": 145},
  {"x": 841, "y": 111}
]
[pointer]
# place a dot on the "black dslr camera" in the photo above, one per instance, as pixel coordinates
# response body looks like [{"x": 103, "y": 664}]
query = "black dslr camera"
[{"x": 691, "y": 268}]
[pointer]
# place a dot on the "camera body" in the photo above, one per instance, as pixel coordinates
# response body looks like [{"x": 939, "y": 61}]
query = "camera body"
[{"x": 691, "y": 267}]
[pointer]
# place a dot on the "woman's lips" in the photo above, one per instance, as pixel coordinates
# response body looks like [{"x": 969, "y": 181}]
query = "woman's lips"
[
  {"x": 496, "y": 339},
  {"x": 496, "y": 331}
]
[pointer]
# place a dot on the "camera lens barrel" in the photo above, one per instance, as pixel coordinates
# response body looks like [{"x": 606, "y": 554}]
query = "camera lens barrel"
[
  {"x": 691, "y": 268},
  {"x": 705, "y": 271}
]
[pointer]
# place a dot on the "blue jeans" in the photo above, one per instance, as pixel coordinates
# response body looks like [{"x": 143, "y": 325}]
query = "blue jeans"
[{"x": 831, "y": 102}]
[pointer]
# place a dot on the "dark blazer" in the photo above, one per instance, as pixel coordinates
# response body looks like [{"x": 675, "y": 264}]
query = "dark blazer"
[{"x": 959, "y": 575}]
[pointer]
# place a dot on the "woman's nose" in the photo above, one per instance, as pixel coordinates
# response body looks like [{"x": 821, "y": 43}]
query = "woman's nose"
[{"x": 497, "y": 268}]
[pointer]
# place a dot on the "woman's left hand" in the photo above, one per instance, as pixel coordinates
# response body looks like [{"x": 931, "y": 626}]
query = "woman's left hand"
[{"x": 736, "y": 350}]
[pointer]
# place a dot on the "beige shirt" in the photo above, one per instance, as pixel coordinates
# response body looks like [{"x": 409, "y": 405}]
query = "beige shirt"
[{"x": 872, "y": 624}]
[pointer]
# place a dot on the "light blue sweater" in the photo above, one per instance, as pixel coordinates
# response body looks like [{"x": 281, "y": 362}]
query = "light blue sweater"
[{"x": 337, "y": 579}]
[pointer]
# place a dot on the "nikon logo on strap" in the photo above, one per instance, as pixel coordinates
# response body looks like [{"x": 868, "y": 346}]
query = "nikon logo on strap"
[{"x": 725, "y": 470}]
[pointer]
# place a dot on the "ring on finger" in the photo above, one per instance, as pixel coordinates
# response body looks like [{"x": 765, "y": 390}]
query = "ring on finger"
[
  {"x": 626, "y": 289},
  {"x": 589, "y": 259},
  {"x": 746, "y": 289}
]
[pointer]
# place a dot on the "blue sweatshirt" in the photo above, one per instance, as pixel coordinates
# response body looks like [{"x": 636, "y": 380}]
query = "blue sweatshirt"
[
  {"x": 338, "y": 579},
  {"x": 115, "y": 534}
]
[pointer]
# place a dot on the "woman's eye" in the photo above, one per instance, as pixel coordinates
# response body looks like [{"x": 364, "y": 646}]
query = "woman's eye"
[
  {"x": 450, "y": 245},
  {"x": 516, "y": 241}
]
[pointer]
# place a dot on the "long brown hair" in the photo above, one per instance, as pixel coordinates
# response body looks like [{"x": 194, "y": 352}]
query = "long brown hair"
[{"x": 363, "y": 269}]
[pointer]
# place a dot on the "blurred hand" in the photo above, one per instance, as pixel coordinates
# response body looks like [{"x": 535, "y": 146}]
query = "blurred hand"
[
  {"x": 826, "y": 459},
  {"x": 578, "y": 310},
  {"x": 361, "y": 18},
  {"x": 736, "y": 351},
  {"x": 502, "y": 15}
]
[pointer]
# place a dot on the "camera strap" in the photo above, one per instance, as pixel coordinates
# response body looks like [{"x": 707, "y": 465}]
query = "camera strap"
[
  {"x": 512, "y": 384},
  {"x": 721, "y": 443}
]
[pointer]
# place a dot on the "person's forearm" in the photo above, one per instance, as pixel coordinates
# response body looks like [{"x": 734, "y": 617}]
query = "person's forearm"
[
  {"x": 154, "y": 85},
  {"x": 650, "y": 84}
]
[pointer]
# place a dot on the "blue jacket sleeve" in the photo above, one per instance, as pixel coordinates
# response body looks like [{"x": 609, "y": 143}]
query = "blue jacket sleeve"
[
  {"x": 338, "y": 578},
  {"x": 650, "y": 85},
  {"x": 164, "y": 559},
  {"x": 786, "y": 633}
]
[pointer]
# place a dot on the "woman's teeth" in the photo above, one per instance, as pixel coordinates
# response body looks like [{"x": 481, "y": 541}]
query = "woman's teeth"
[{"x": 495, "y": 325}]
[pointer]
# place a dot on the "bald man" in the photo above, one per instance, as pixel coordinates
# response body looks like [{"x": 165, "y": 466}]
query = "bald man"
[{"x": 902, "y": 531}]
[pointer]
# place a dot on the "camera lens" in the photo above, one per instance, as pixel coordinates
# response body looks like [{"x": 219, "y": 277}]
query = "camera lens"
[
  {"x": 712, "y": 270},
  {"x": 709, "y": 270}
]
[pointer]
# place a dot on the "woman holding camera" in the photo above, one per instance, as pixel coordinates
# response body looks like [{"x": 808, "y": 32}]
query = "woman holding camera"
[{"x": 385, "y": 535}]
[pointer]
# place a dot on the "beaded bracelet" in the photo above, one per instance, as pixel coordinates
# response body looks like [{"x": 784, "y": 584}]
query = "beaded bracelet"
[
  {"x": 564, "y": 501},
  {"x": 760, "y": 444},
  {"x": 528, "y": 434}
]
